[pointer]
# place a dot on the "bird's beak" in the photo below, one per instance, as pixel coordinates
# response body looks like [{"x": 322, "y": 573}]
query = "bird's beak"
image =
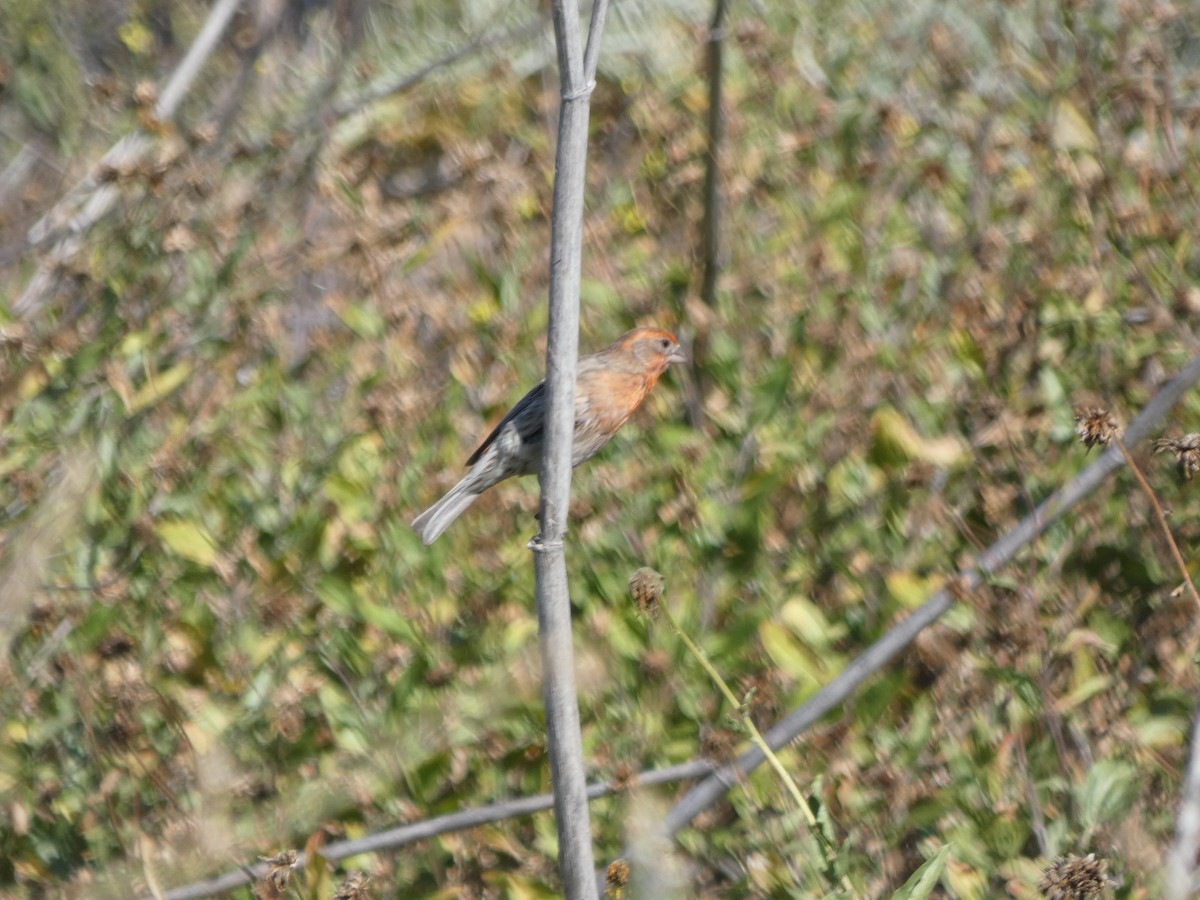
[{"x": 677, "y": 356}]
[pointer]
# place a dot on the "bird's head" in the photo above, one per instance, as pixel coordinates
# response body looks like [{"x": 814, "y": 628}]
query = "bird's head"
[{"x": 653, "y": 348}]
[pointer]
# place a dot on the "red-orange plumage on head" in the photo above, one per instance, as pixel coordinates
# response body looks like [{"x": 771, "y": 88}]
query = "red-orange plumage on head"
[{"x": 609, "y": 387}]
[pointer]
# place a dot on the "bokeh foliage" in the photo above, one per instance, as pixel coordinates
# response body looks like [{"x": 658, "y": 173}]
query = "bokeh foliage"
[{"x": 948, "y": 225}]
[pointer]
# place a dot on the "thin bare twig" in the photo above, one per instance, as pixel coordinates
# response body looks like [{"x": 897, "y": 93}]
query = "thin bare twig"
[
  {"x": 395, "y": 84},
  {"x": 429, "y": 828},
  {"x": 1162, "y": 519},
  {"x": 824, "y": 846}
]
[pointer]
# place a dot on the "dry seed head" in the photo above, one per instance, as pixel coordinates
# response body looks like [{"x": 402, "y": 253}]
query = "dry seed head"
[
  {"x": 353, "y": 887},
  {"x": 204, "y": 133},
  {"x": 624, "y": 777},
  {"x": 197, "y": 181},
  {"x": 179, "y": 239},
  {"x": 107, "y": 174},
  {"x": 718, "y": 744},
  {"x": 105, "y": 88},
  {"x": 1095, "y": 426},
  {"x": 617, "y": 877},
  {"x": 1186, "y": 450},
  {"x": 646, "y": 586},
  {"x": 1076, "y": 878},
  {"x": 145, "y": 94},
  {"x": 655, "y": 663},
  {"x": 279, "y": 870}
]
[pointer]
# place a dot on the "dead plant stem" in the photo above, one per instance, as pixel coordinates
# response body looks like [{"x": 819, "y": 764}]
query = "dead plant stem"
[{"x": 1162, "y": 520}]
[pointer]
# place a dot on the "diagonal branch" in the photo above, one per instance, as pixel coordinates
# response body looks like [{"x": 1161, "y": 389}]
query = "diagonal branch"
[
  {"x": 430, "y": 828},
  {"x": 888, "y": 647},
  {"x": 90, "y": 198},
  {"x": 396, "y": 84}
]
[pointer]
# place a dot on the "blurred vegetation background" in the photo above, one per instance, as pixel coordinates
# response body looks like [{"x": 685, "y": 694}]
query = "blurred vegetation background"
[{"x": 947, "y": 226}]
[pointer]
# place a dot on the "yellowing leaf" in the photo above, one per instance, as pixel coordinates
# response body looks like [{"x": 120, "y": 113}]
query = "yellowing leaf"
[
  {"x": 483, "y": 310},
  {"x": 136, "y": 37},
  {"x": 1071, "y": 130},
  {"x": 966, "y": 881},
  {"x": 189, "y": 540},
  {"x": 133, "y": 344},
  {"x": 910, "y": 590},
  {"x": 897, "y": 441},
  {"x": 1162, "y": 732},
  {"x": 159, "y": 386},
  {"x": 1084, "y": 691},
  {"x": 904, "y": 128},
  {"x": 787, "y": 652},
  {"x": 32, "y": 383}
]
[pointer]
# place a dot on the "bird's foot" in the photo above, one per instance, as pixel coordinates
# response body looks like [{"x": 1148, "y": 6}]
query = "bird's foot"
[{"x": 538, "y": 544}]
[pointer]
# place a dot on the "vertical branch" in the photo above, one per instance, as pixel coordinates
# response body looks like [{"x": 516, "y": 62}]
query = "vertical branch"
[
  {"x": 1181, "y": 858},
  {"x": 716, "y": 136},
  {"x": 553, "y": 601}
]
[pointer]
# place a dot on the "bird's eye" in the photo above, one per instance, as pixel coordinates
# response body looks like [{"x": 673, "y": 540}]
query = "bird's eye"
[{"x": 665, "y": 344}]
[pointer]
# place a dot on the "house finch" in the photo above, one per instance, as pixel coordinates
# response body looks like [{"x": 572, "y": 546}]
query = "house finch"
[{"x": 609, "y": 387}]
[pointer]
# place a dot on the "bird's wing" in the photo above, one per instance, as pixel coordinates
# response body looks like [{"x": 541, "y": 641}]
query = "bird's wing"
[{"x": 534, "y": 396}]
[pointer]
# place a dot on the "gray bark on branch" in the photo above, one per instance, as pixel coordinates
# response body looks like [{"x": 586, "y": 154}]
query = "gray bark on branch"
[{"x": 577, "y": 69}]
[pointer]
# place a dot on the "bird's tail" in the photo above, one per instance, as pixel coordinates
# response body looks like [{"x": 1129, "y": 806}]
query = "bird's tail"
[{"x": 431, "y": 523}]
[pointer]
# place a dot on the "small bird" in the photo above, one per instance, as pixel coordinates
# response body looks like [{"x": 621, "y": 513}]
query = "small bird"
[{"x": 609, "y": 387}]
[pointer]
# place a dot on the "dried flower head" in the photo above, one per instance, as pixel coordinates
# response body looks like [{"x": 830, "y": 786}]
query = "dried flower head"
[
  {"x": 279, "y": 870},
  {"x": 107, "y": 174},
  {"x": 760, "y": 697},
  {"x": 718, "y": 744},
  {"x": 656, "y": 663},
  {"x": 115, "y": 645},
  {"x": 624, "y": 777},
  {"x": 353, "y": 887},
  {"x": 617, "y": 877},
  {"x": 145, "y": 94},
  {"x": 646, "y": 586},
  {"x": 1186, "y": 450},
  {"x": 1095, "y": 426},
  {"x": 179, "y": 239},
  {"x": 204, "y": 133},
  {"x": 1076, "y": 878}
]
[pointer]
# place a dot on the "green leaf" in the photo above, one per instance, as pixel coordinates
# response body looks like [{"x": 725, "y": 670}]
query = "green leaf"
[
  {"x": 189, "y": 540},
  {"x": 1108, "y": 793},
  {"x": 786, "y": 651},
  {"x": 922, "y": 882},
  {"x": 1162, "y": 731},
  {"x": 895, "y": 441},
  {"x": 365, "y": 321},
  {"x": 810, "y": 624}
]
